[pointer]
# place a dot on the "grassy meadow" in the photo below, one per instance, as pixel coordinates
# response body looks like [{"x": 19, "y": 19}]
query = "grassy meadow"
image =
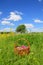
[{"x": 7, "y": 55}]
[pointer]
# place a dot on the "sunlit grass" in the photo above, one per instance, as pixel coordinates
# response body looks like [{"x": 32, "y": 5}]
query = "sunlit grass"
[{"x": 7, "y": 55}]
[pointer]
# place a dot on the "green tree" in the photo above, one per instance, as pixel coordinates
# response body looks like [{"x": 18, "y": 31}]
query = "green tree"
[{"x": 21, "y": 29}]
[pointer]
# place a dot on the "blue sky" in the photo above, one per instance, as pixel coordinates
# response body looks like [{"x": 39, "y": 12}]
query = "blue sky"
[{"x": 17, "y": 12}]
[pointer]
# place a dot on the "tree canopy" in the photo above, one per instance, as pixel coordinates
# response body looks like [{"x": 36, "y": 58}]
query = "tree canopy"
[{"x": 21, "y": 29}]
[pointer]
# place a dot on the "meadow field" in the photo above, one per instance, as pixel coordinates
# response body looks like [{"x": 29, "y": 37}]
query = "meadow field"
[{"x": 7, "y": 55}]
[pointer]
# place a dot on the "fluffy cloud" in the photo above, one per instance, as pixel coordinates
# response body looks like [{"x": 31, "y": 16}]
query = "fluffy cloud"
[
  {"x": 29, "y": 25},
  {"x": 37, "y": 29},
  {"x": 6, "y": 23},
  {"x": 7, "y": 30},
  {"x": 14, "y": 16},
  {"x": 38, "y": 21}
]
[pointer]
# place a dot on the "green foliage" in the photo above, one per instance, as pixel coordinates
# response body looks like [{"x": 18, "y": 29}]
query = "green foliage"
[
  {"x": 21, "y": 29},
  {"x": 7, "y": 55}
]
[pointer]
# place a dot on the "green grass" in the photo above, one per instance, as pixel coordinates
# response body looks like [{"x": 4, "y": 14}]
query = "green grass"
[{"x": 7, "y": 55}]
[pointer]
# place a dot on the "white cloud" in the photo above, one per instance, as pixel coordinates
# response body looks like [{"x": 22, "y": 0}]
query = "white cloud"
[
  {"x": 38, "y": 21},
  {"x": 40, "y": 0},
  {"x": 7, "y": 29},
  {"x": 6, "y": 23},
  {"x": 14, "y": 16},
  {"x": 29, "y": 25},
  {"x": 1, "y": 30},
  {"x": 37, "y": 29},
  {"x": 0, "y": 12}
]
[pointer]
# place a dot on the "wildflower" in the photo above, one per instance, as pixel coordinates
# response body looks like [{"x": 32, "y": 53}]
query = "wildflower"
[{"x": 23, "y": 46}]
